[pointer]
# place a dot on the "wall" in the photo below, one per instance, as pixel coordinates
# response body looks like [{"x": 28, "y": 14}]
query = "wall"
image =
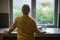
[
  {"x": 4, "y": 13},
  {"x": 4, "y": 6},
  {"x": 59, "y": 6}
]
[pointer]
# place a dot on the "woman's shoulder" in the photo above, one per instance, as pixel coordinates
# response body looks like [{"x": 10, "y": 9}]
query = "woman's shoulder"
[{"x": 18, "y": 17}]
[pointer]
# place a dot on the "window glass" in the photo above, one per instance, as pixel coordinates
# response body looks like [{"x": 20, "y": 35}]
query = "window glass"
[
  {"x": 17, "y": 5},
  {"x": 45, "y": 12}
]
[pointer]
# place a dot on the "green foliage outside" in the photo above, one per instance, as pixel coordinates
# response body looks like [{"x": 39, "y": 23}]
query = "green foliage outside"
[
  {"x": 16, "y": 12},
  {"x": 42, "y": 17}
]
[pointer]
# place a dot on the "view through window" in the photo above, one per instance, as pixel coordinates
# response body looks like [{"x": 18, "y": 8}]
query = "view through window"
[
  {"x": 17, "y": 7},
  {"x": 44, "y": 10}
]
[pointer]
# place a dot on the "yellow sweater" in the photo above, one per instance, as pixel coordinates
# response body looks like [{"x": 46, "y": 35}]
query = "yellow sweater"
[{"x": 25, "y": 28}]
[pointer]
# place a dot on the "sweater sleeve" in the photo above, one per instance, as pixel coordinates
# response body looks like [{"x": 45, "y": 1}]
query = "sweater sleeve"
[
  {"x": 13, "y": 26},
  {"x": 36, "y": 30}
]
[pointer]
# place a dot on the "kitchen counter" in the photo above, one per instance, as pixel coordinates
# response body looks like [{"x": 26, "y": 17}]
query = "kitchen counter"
[{"x": 50, "y": 32}]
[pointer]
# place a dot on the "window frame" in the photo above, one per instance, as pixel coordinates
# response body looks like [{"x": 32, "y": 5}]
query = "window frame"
[{"x": 33, "y": 13}]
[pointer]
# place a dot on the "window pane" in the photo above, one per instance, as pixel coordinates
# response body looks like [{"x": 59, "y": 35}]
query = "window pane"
[
  {"x": 45, "y": 12},
  {"x": 17, "y": 5}
]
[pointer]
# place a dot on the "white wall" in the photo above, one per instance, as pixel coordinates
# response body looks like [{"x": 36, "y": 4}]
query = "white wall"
[{"x": 4, "y": 6}]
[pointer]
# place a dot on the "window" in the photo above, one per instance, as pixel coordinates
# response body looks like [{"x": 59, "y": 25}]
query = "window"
[
  {"x": 44, "y": 12},
  {"x": 17, "y": 5}
]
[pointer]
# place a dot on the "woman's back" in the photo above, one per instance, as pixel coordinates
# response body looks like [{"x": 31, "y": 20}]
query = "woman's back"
[{"x": 25, "y": 28}]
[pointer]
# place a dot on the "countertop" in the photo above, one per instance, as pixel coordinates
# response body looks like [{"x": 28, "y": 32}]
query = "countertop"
[{"x": 54, "y": 32}]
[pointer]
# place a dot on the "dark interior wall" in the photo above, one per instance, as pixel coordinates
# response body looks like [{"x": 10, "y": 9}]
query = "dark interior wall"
[
  {"x": 59, "y": 13},
  {"x": 4, "y": 13},
  {"x": 59, "y": 20},
  {"x": 59, "y": 6},
  {"x": 4, "y": 20}
]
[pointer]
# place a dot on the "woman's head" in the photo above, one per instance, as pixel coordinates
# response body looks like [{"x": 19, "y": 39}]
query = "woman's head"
[{"x": 25, "y": 9}]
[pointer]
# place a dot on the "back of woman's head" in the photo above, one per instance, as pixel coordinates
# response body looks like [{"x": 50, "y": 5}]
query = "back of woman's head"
[{"x": 25, "y": 9}]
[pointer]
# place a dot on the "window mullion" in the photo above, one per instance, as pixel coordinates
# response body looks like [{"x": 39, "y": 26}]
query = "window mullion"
[{"x": 33, "y": 9}]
